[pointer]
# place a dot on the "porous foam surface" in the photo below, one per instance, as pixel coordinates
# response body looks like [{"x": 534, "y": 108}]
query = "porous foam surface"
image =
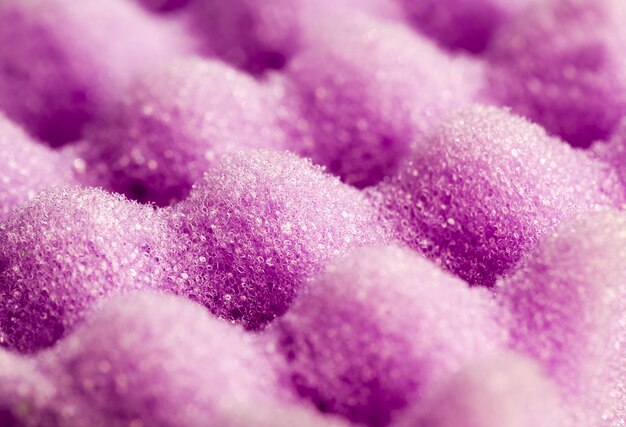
[
  {"x": 260, "y": 223},
  {"x": 381, "y": 89},
  {"x": 461, "y": 24},
  {"x": 174, "y": 123},
  {"x": 378, "y": 329},
  {"x": 561, "y": 64},
  {"x": 568, "y": 303},
  {"x": 380, "y": 335},
  {"x": 499, "y": 390},
  {"x": 614, "y": 151},
  {"x": 486, "y": 187},
  {"x": 250, "y": 34},
  {"x": 64, "y": 251},
  {"x": 62, "y": 61},
  {"x": 153, "y": 360},
  {"x": 27, "y": 167}
]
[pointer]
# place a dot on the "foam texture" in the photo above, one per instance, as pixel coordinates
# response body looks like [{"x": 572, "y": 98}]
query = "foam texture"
[
  {"x": 568, "y": 303},
  {"x": 142, "y": 360},
  {"x": 27, "y": 167},
  {"x": 53, "y": 81},
  {"x": 382, "y": 88},
  {"x": 486, "y": 187},
  {"x": 253, "y": 35},
  {"x": 614, "y": 151},
  {"x": 500, "y": 390},
  {"x": 64, "y": 251},
  {"x": 174, "y": 123},
  {"x": 561, "y": 64},
  {"x": 164, "y": 5},
  {"x": 461, "y": 24},
  {"x": 259, "y": 224},
  {"x": 378, "y": 329}
]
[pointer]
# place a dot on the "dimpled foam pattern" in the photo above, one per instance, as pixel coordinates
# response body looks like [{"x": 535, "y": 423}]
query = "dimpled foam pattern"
[
  {"x": 142, "y": 360},
  {"x": 568, "y": 304},
  {"x": 27, "y": 167},
  {"x": 500, "y": 390},
  {"x": 561, "y": 64},
  {"x": 378, "y": 329},
  {"x": 486, "y": 187},
  {"x": 64, "y": 251},
  {"x": 382, "y": 87},
  {"x": 461, "y": 24},
  {"x": 250, "y": 34},
  {"x": 54, "y": 82},
  {"x": 257, "y": 225},
  {"x": 175, "y": 123}
]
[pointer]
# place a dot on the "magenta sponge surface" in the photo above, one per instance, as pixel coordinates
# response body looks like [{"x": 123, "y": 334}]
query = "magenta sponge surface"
[
  {"x": 27, "y": 167},
  {"x": 62, "y": 252},
  {"x": 378, "y": 329},
  {"x": 498, "y": 390},
  {"x": 54, "y": 82},
  {"x": 560, "y": 63},
  {"x": 567, "y": 304},
  {"x": 175, "y": 122},
  {"x": 308, "y": 213},
  {"x": 382, "y": 88},
  {"x": 258, "y": 225},
  {"x": 486, "y": 187}
]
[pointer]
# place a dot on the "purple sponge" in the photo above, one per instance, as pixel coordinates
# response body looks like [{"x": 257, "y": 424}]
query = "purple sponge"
[
  {"x": 561, "y": 64},
  {"x": 379, "y": 329},
  {"x": 142, "y": 360},
  {"x": 145, "y": 356},
  {"x": 164, "y": 5},
  {"x": 614, "y": 152},
  {"x": 461, "y": 24},
  {"x": 174, "y": 123},
  {"x": 380, "y": 89},
  {"x": 62, "y": 61},
  {"x": 501, "y": 390},
  {"x": 486, "y": 187},
  {"x": 250, "y": 34},
  {"x": 567, "y": 303},
  {"x": 27, "y": 167},
  {"x": 67, "y": 249},
  {"x": 26, "y": 395},
  {"x": 257, "y": 225}
]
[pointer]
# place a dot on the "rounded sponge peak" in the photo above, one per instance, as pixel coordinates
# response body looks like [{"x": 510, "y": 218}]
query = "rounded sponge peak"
[
  {"x": 258, "y": 225},
  {"x": 378, "y": 328},
  {"x": 486, "y": 187},
  {"x": 567, "y": 301},
  {"x": 64, "y": 251}
]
